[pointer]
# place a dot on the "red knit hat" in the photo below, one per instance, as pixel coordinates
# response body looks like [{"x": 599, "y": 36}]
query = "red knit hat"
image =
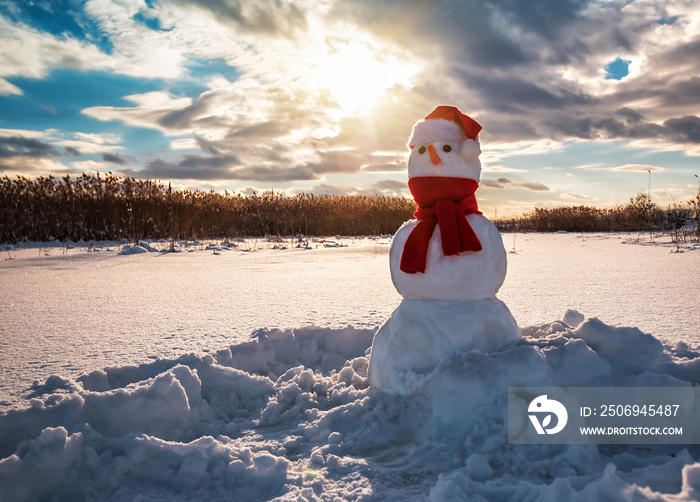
[{"x": 445, "y": 123}]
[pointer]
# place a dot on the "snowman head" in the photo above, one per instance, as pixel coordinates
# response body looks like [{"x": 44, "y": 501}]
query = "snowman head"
[{"x": 445, "y": 143}]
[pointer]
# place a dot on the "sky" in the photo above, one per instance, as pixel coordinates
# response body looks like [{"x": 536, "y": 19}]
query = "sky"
[{"x": 581, "y": 102}]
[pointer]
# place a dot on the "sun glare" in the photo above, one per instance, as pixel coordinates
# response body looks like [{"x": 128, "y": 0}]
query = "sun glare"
[{"x": 356, "y": 70}]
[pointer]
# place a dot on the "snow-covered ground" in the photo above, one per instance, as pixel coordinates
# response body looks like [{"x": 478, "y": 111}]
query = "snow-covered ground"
[{"x": 149, "y": 385}]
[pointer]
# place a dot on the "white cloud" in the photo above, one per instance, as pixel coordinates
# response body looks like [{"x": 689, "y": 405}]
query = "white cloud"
[
  {"x": 495, "y": 152},
  {"x": 89, "y": 166},
  {"x": 37, "y": 167},
  {"x": 574, "y": 196},
  {"x": 138, "y": 50},
  {"x": 6, "y": 88},
  {"x": 27, "y": 52},
  {"x": 637, "y": 168},
  {"x": 21, "y": 132},
  {"x": 502, "y": 183},
  {"x": 99, "y": 139},
  {"x": 86, "y": 147},
  {"x": 501, "y": 169},
  {"x": 184, "y": 144},
  {"x": 151, "y": 108}
]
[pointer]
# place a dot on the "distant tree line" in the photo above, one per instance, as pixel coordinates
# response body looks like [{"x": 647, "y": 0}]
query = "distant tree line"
[
  {"x": 640, "y": 214},
  {"x": 108, "y": 207}
]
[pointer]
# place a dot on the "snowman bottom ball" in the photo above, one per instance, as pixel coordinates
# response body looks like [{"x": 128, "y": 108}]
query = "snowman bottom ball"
[{"x": 421, "y": 333}]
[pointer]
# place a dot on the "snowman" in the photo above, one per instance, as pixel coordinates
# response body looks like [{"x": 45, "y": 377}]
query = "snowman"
[{"x": 448, "y": 263}]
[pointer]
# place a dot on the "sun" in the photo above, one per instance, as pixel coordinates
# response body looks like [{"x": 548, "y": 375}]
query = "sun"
[{"x": 356, "y": 69}]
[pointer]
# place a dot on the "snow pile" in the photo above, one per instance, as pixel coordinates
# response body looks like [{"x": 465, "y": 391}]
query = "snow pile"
[{"x": 291, "y": 416}]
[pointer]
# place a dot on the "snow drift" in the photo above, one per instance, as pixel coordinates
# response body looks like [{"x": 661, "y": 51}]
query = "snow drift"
[{"x": 290, "y": 415}]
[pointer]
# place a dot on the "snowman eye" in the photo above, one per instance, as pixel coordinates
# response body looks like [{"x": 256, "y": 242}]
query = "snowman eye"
[
  {"x": 421, "y": 150},
  {"x": 447, "y": 148}
]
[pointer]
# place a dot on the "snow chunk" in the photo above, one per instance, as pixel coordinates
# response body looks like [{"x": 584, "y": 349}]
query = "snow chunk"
[
  {"x": 616, "y": 346},
  {"x": 129, "y": 250},
  {"x": 573, "y": 318},
  {"x": 478, "y": 466}
]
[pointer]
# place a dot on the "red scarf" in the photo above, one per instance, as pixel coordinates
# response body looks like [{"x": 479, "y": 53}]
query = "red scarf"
[{"x": 445, "y": 202}]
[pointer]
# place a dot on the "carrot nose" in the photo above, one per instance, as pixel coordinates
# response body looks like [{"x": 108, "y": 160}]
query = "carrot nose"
[{"x": 434, "y": 157}]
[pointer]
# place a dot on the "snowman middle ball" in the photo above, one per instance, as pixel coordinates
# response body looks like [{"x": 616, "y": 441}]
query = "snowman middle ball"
[{"x": 471, "y": 275}]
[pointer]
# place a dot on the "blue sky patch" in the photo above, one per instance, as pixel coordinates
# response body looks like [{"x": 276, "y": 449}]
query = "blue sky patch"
[
  {"x": 152, "y": 22},
  {"x": 618, "y": 69},
  {"x": 200, "y": 68},
  {"x": 57, "y": 100}
]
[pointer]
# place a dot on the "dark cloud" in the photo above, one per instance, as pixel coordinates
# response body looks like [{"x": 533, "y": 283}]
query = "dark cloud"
[
  {"x": 338, "y": 162},
  {"x": 269, "y": 17},
  {"x": 677, "y": 130},
  {"x": 502, "y": 183},
  {"x": 630, "y": 116},
  {"x": 391, "y": 185},
  {"x": 208, "y": 146},
  {"x": 508, "y": 55},
  {"x": 270, "y": 166},
  {"x": 184, "y": 118},
  {"x": 274, "y": 173},
  {"x": 684, "y": 130},
  {"x": 499, "y": 183},
  {"x": 114, "y": 158},
  {"x": 190, "y": 167},
  {"x": 513, "y": 94},
  {"x": 505, "y": 129},
  {"x": 684, "y": 54},
  {"x": 385, "y": 168},
  {"x": 475, "y": 32},
  {"x": 18, "y": 146},
  {"x": 684, "y": 92},
  {"x": 532, "y": 185},
  {"x": 544, "y": 17},
  {"x": 226, "y": 167},
  {"x": 391, "y": 188}
]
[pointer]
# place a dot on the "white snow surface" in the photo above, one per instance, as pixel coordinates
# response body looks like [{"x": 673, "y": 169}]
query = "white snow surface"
[
  {"x": 471, "y": 275},
  {"x": 289, "y": 414}
]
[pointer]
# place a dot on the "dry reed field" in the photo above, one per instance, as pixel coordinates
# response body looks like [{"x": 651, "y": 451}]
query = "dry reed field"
[{"x": 109, "y": 207}]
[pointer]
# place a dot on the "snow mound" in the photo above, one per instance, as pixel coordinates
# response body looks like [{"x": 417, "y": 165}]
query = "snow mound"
[
  {"x": 290, "y": 415},
  {"x": 129, "y": 250}
]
